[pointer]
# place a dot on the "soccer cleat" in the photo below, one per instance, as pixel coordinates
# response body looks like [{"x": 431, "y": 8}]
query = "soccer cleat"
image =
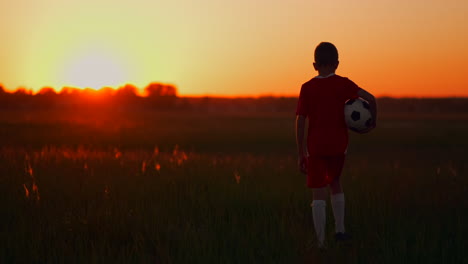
[{"x": 342, "y": 237}]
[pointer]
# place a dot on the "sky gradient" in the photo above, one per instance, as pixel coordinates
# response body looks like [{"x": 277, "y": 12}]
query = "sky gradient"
[{"x": 231, "y": 48}]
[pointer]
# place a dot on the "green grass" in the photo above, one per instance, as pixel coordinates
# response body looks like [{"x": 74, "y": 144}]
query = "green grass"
[{"x": 105, "y": 195}]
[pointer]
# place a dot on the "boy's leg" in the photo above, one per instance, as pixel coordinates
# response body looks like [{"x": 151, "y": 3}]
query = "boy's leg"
[
  {"x": 319, "y": 213},
  {"x": 317, "y": 180},
  {"x": 335, "y": 186},
  {"x": 338, "y": 206},
  {"x": 337, "y": 195}
]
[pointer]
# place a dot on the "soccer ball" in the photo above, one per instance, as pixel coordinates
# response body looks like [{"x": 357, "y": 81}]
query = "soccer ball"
[{"x": 357, "y": 114}]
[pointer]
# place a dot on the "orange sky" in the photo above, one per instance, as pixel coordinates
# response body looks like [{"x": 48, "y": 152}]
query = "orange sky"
[{"x": 242, "y": 47}]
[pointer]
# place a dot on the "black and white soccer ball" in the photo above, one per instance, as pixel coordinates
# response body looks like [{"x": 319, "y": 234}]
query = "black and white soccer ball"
[{"x": 357, "y": 114}]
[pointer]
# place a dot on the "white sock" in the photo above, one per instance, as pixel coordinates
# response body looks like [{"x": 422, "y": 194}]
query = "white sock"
[
  {"x": 338, "y": 206},
  {"x": 319, "y": 215}
]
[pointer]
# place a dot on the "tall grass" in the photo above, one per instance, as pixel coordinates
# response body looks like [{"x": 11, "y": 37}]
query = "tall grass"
[{"x": 88, "y": 203}]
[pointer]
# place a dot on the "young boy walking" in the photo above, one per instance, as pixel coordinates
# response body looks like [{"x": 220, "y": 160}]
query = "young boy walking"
[{"x": 322, "y": 101}]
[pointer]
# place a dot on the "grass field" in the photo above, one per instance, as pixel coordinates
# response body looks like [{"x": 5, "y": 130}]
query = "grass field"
[{"x": 191, "y": 188}]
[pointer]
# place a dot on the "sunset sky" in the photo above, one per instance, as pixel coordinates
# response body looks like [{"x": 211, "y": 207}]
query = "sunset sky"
[{"x": 242, "y": 47}]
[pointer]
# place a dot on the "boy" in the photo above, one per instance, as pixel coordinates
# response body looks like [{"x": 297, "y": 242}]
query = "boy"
[{"x": 322, "y": 100}]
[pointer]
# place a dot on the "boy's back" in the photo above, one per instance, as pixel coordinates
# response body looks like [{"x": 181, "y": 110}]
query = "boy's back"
[{"x": 322, "y": 100}]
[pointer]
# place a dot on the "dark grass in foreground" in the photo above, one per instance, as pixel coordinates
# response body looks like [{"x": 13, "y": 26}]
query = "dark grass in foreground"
[{"x": 405, "y": 191}]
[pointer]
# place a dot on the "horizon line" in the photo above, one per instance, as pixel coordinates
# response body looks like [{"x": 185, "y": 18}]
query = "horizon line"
[{"x": 140, "y": 92}]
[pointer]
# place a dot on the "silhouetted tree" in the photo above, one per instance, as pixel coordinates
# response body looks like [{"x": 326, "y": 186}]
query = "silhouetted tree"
[
  {"x": 3, "y": 98},
  {"x": 160, "y": 90},
  {"x": 106, "y": 92},
  {"x": 45, "y": 98},
  {"x": 22, "y": 92},
  {"x": 47, "y": 91},
  {"x": 127, "y": 91},
  {"x": 162, "y": 95},
  {"x": 70, "y": 91},
  {"x": 126, "y": 96}
]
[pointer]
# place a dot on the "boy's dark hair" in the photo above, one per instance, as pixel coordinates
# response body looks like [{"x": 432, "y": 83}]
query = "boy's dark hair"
[{"x": 326, "y": 54}]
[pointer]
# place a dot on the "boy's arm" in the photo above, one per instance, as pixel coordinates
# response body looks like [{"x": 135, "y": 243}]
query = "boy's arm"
[
  {"x": 300, "y": 128},
  {"x": 372, "y": 104}
]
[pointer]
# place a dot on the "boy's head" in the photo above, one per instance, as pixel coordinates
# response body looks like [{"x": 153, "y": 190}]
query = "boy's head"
[{"x": 326, "y": 57}]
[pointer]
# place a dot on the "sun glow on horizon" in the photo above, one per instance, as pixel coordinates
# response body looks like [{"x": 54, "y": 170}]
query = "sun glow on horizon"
[{"x": 95, "y": 68}]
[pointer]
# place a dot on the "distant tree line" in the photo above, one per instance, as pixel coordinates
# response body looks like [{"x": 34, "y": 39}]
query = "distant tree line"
[
  {"x": 428, "y": 106},
  {"x": 156, "y": 95},
  {"x": 164, "y": 97}
]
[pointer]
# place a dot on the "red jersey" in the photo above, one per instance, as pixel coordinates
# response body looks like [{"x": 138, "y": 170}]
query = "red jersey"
[{"x": 322, "y": 100}]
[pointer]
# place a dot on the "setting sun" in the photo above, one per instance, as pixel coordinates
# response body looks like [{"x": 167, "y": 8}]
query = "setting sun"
[{"x": 95, "y": 69}]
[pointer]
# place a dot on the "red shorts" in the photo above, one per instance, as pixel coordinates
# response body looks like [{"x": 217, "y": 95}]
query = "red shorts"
[{"x": 322, "y": 170}]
